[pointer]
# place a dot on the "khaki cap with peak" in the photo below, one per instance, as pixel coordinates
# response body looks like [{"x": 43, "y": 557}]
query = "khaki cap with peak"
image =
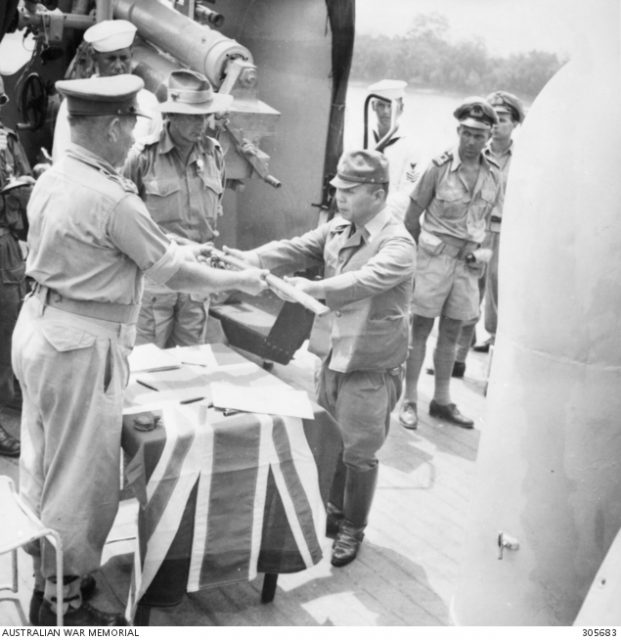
[
  {"x": 110, "y": 35},
  {"x": 102, "y": 96},
  {"x": 361, "y": 167}
]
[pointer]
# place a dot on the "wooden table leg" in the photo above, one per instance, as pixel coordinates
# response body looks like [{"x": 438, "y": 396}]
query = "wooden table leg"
[
  {"x": 269, "y": 587},
  {"x": 142, "y": 616}
]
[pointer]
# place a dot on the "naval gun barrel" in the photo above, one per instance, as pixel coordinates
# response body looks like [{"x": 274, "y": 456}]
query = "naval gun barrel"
[{"x": 193, "y": 44}]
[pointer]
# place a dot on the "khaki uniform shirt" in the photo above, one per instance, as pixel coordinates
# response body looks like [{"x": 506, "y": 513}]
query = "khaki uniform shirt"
[
  {"x": 185, "y": 200},
  {"x": 13, "y": 160},
  {"x": 91, "y": 237},
  {"x": 368, "y": 283},
  {"x": 504, "y": 162},
  {"x": 13, "y": 164},
  {"x": 450, "y": 207}
]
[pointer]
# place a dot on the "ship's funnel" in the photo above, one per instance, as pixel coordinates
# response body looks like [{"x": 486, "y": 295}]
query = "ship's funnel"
[{"x": 547, "y": 505}]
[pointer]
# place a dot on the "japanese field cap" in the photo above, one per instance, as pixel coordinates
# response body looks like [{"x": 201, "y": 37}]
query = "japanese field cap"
[
  {"x": 110, "y": 35},
  {"x": 507, "y": 102},
  {"x": 389, "y": 89},
  {"x": 191, "y": 93},
  {"x": 360, "y": 167},
  {"x": 476, "y": 113},
  {"x": 102, "y": 96}
]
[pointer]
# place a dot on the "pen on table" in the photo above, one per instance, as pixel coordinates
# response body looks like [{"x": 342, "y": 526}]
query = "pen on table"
[
  {"x": 144, "y": 384},
  {"x": 230, "y": 412},
  {"x": 191, "y": 400}
]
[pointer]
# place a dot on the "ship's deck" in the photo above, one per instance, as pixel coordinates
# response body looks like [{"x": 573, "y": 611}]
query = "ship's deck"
[{"x": 408, "y": 564}]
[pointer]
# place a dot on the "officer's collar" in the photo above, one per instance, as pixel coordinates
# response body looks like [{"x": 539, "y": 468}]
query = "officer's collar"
[
  {"x": 377, "y": 223},
  {"x": 368, "y": 230},
  {"x": 456, "y": 160},
  {"x": 88, "y": 157},
  {"x": 167, "y": 144},
  {"x": 489, "y": 151}
]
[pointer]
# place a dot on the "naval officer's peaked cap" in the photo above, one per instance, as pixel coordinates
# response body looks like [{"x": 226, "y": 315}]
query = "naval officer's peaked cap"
[{"x": 476, "y": 113}]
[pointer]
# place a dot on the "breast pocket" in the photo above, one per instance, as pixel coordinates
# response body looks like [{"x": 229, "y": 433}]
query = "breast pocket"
[
  {"x": 453, "y": 201},
  {"x": 163, "y": 201},
  {"x": 212, "y": 182},
  {"x": 483, "y": 204}
]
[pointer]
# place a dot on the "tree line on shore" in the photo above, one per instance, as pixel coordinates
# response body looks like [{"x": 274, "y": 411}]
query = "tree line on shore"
[{"x": 425, "y": 58}]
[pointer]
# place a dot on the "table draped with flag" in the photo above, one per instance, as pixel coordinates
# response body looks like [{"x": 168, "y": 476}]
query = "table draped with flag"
[{"x": 223, "y": 498}]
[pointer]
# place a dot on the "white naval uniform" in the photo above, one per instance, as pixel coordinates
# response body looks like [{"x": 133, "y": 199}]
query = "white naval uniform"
[{"x": 405, "y": 167}]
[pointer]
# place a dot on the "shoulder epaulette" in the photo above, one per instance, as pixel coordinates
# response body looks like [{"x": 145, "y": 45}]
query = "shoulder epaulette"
[
  {"x": 125, "y": 183},
  {"x": 490, "y": 158},
  {"x": 128, "y": 185},
  {"x": 443, "y": 158}
]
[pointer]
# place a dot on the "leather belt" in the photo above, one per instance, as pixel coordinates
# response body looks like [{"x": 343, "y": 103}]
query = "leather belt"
[
  {"x": 456, "y": 247},
  {"x": 108, "y": 311}
]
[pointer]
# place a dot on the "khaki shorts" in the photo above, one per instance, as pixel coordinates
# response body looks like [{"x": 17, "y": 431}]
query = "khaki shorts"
[{"x": 447, "y": 286}]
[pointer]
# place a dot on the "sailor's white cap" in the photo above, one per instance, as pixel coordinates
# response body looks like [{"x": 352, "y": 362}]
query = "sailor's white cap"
[
  {"x": 389, "y": 89},
  {"x": 110, "y": 35}
]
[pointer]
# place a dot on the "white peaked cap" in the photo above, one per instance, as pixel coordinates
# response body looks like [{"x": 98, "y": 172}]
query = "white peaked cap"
[
  {"x": 110, "y": 35},
  {"x": 389, "y": 89}
]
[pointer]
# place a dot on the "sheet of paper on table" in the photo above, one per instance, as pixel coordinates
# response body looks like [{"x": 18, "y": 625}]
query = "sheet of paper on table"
[
  {"x": 183, "y": 384},
  {"x": 200, "y": 354},
  {"x": 278, "y": 399},
  {"x": 148, "y": 357},
  {"x": 140, "y": 398}
]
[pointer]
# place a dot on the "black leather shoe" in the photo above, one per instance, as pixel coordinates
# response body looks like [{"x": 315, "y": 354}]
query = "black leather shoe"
[
  {"x": 85, "y": 616},
  {"x": 407, "y": 415},
  {"x": 346, "y": 545},
  {"x": 334, "y": 517},
  {"x": 459, "y": 368},
  {"x": 484, "y": 346},
  {"x": 450, "y": 413},
  {"x": 9, "y": 446},
  {"x": 87, "y": 587}
]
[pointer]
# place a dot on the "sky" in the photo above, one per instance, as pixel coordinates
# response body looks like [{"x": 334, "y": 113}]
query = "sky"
[{"x": 506, "y": 26}]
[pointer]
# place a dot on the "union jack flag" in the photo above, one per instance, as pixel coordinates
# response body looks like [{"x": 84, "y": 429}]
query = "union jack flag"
[{"x": 229, "y": 462}]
